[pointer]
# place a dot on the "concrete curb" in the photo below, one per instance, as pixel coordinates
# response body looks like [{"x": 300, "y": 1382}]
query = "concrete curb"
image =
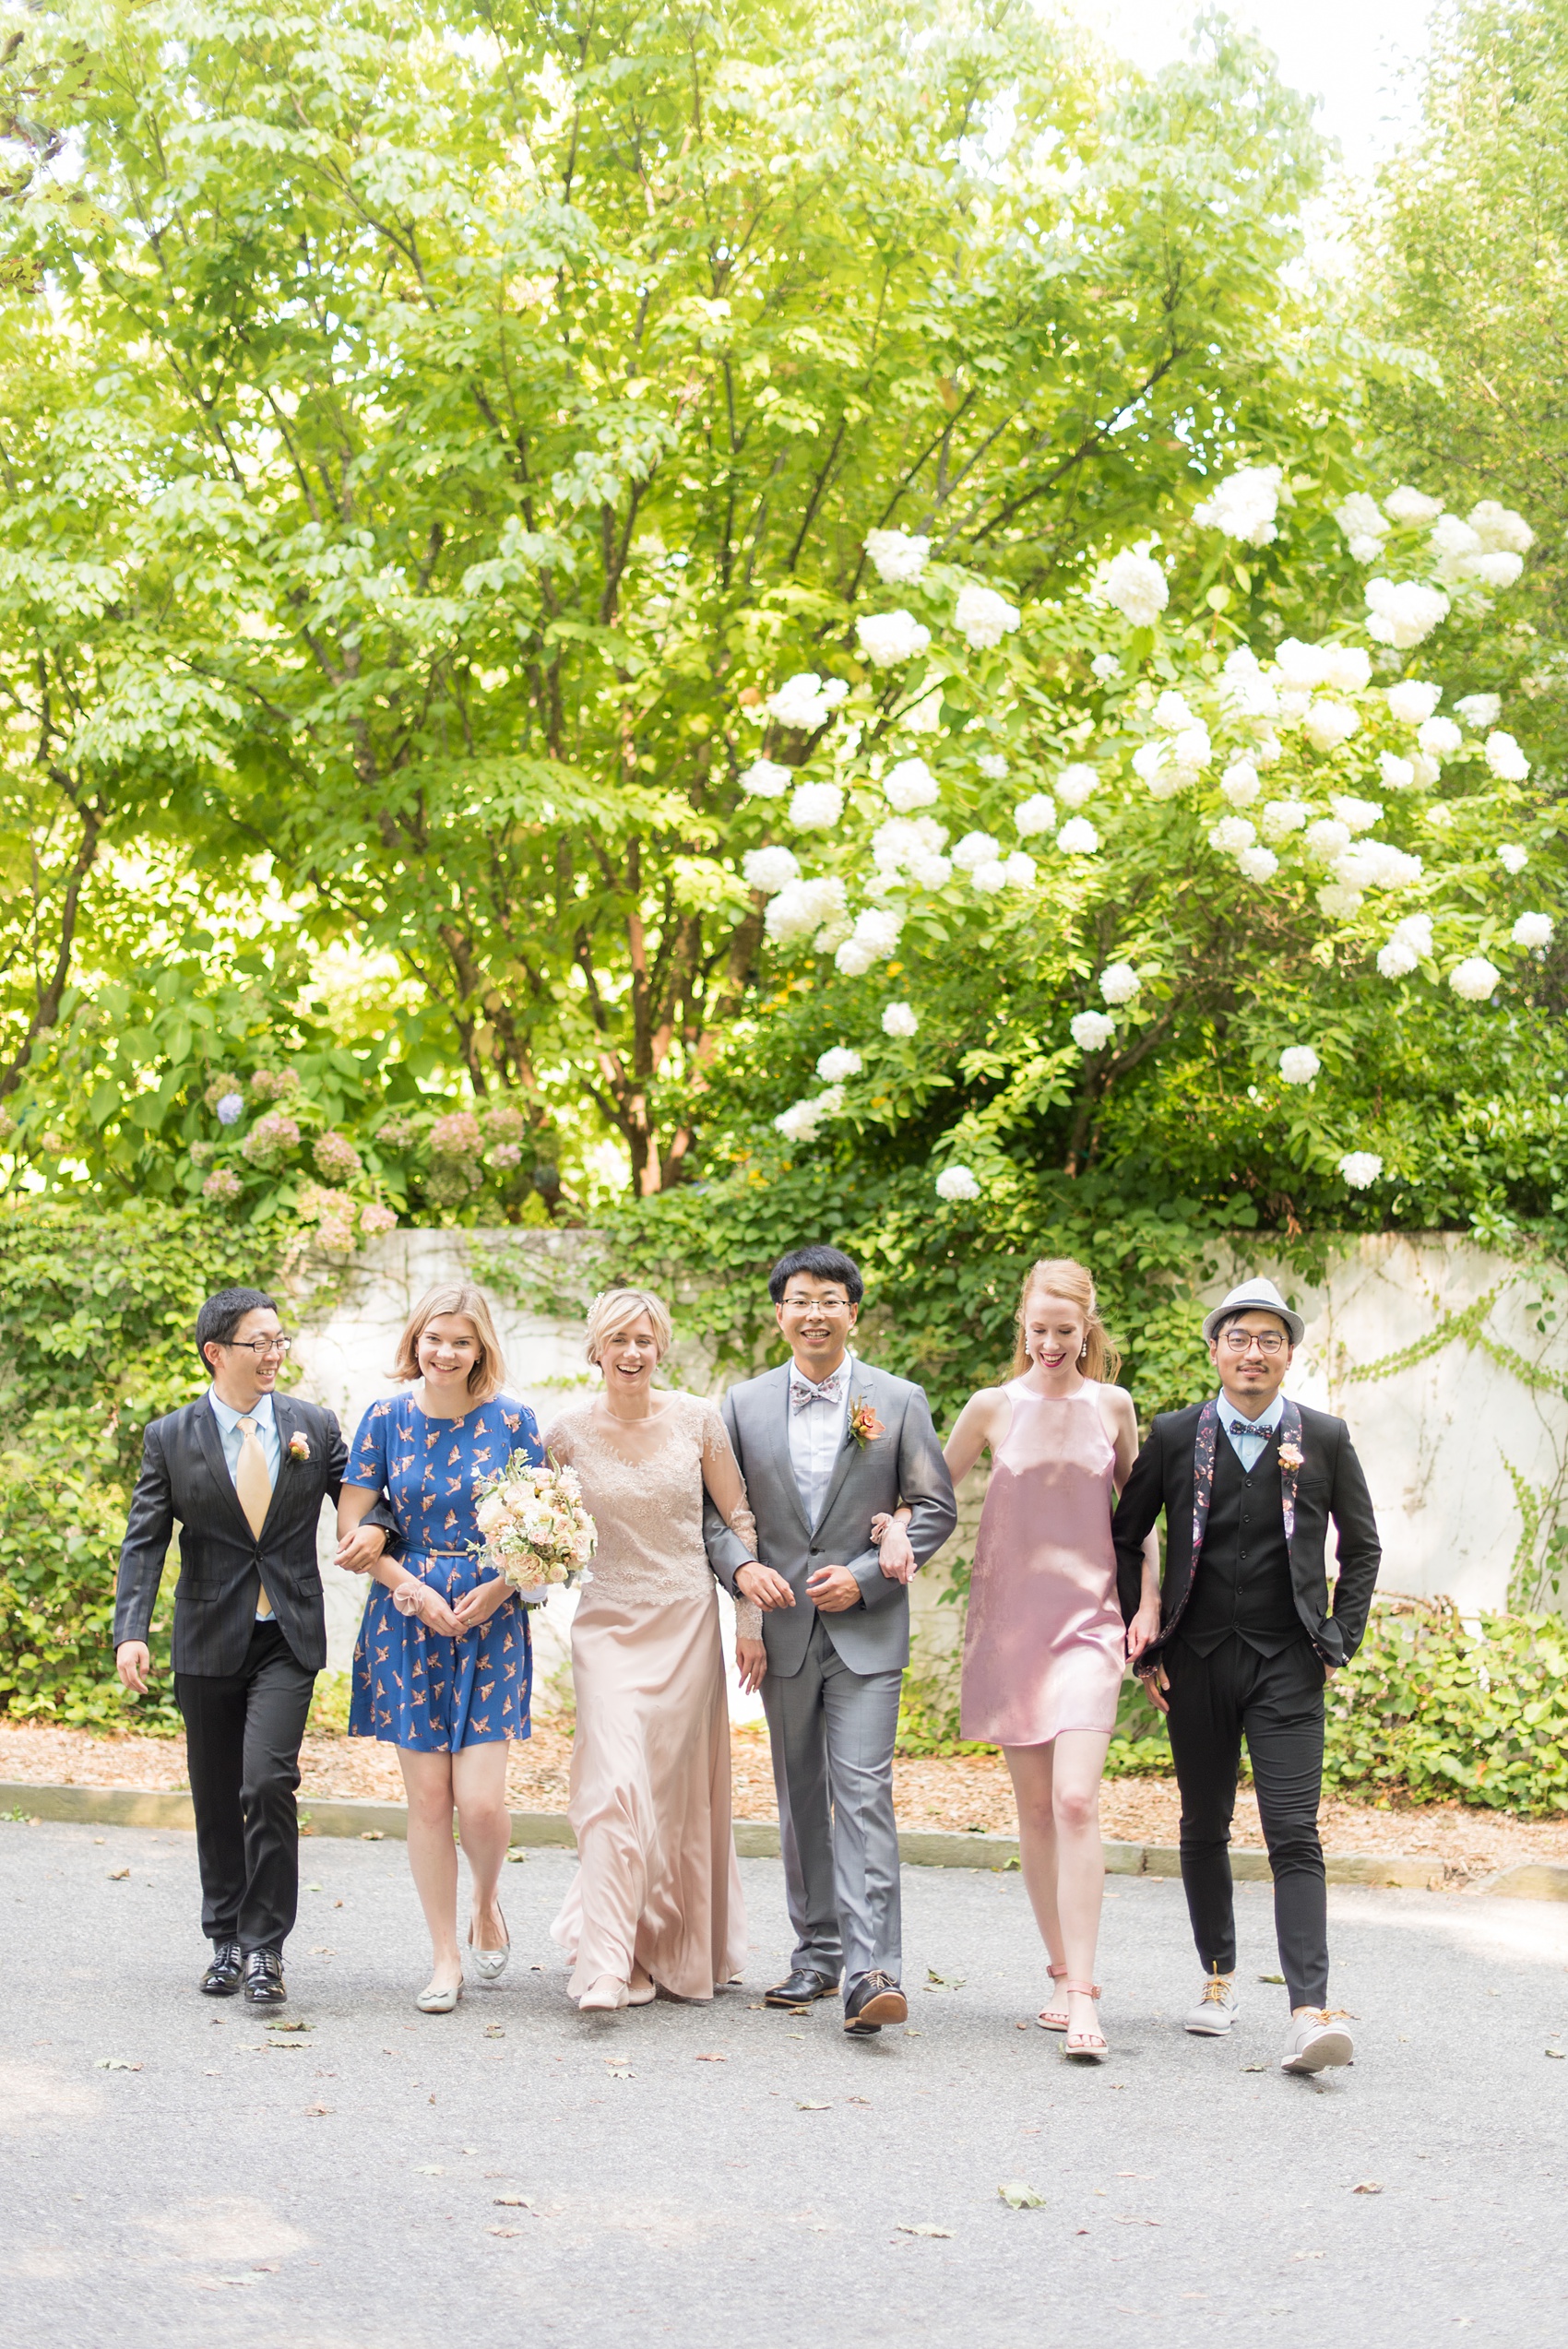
[{"x": 758, "y": 1839}]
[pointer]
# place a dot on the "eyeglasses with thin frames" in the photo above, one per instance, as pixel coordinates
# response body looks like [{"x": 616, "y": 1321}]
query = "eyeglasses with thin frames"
[
  {"x": 1242, "y": 1341},
  {"x": 259, "y": 1347}
]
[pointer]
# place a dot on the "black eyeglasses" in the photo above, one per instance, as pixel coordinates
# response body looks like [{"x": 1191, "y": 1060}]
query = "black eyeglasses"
[{"x": 259, "y": 1347}]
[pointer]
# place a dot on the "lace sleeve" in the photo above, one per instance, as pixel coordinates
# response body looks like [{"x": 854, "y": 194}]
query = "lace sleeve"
[
  {"x": 557, "y": 1443},
  {"x": 721, "y": 1475}
]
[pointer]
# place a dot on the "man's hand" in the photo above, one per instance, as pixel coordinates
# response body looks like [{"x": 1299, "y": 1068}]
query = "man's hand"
[
  {"x": 358, "y": 1551},
  {"x": 769, "y": 1590},
  {"x": 133, "y": 1662},
  {"x": 832, "y": 1590},
  {"x": 750, "y": 1663},
  {"x": 1153, "y": 1683}
]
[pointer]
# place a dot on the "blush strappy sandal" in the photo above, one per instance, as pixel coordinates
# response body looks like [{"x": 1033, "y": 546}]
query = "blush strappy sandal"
[
  {"x": 1084, "y": 2047},
  {"x": 1053, "y": 2018}
]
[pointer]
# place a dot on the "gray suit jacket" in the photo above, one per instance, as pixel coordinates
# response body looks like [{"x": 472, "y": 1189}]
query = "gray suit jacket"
[{"x": 903, "y": 1464}]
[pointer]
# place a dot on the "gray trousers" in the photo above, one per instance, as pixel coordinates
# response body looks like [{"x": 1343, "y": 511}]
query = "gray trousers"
[{"x": 832, "y": 1732}]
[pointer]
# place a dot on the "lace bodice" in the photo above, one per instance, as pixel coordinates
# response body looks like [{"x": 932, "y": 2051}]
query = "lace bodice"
[{"x": 648, "y": 1512}]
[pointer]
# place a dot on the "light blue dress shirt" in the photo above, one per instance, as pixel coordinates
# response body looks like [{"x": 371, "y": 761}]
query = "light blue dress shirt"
[
  {"x": 229, "y": 1436},
  {"x": 1249, "y": 1448}
]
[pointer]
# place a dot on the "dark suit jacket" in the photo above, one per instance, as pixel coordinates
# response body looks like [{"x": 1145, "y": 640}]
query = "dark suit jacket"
[
  {"x": 1329, "y": 1483},
  {"x": 222, "y": 1563}
]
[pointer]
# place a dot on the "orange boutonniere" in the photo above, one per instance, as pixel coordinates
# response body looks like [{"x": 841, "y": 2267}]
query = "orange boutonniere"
[
  {"x": 1290, "y": 1456},
  {"x": 864, "y": 1425}
]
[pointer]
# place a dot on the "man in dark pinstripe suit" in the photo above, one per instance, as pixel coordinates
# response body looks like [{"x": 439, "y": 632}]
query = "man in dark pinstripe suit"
[{"x": 245, "y": 1470}]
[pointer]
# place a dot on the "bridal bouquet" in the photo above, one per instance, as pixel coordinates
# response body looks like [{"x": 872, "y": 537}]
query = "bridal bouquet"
[{"x": 537, "y": 1532}]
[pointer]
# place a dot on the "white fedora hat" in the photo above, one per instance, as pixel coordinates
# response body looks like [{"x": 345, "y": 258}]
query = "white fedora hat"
[{"x": 1255, "y": 1297}]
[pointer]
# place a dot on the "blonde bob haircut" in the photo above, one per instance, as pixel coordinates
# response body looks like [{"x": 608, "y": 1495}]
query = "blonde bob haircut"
[
  {"x": 613, "y": 1308},
  {"x": 488, "y": 1372},
  {"x": 1062, "y": 1277}
]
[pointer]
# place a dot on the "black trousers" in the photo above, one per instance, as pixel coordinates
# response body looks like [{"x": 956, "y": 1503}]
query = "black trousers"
[
  {"x": 1277, "y": 1702},
  {"x": 242, "y": 1733}
]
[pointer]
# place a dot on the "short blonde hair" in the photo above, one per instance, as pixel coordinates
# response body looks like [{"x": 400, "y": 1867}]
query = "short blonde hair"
[
  {"x": 613, "y": 1308},
  {"x": 488, "y": 1372}
]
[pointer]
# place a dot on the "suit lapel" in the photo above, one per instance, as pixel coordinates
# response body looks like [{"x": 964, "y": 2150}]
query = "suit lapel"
[
  {"x": 1288, "y": 1435},
  {"x": 859, "y": 1392},
  {"x": 1202, "y": 1474},
  {"x": 776, "y": 1418},
  {"x": 209, "y": 1442}
]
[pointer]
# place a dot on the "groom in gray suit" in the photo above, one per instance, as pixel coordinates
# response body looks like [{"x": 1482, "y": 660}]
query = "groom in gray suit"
[{"x": 825, "y": 1444}]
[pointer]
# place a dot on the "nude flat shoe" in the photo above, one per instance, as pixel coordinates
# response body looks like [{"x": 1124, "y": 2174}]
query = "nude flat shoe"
[
  {"x": 643, "y": 1990},
  {"x": 1084, "y": 2047},
  {"x": 433, "y": 2001},
  {"x": 1053, "y": 2018},
  {"x": 490, "y": 1964},
  {"x": 606, "y": 1996}
]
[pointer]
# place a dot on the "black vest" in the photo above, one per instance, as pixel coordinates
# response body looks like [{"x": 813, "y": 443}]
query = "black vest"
[{"x": 1243, "y": 1588}]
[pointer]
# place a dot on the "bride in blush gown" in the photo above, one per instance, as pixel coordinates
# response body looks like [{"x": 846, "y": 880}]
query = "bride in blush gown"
[{"x": 657, "y": 1898}]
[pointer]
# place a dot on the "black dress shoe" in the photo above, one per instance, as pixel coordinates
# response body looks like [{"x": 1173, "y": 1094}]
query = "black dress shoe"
[
  {"x": 875, "y": 2000},
  {"x": 223, "y": 1976},
  {"x": 263, "y": 1979},
  {"x": 803, "y": 1987}
]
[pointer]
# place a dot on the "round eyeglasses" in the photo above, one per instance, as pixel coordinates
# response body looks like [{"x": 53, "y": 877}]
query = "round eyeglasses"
[{"x": 1242, "y": 1341}]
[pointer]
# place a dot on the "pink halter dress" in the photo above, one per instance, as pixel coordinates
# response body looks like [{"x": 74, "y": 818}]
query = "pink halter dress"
[{"x": 1044, "y": 1647}]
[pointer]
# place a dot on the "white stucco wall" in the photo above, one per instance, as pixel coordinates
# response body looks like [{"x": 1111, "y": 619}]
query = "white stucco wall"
[{"x": 1437, "y": 1437}]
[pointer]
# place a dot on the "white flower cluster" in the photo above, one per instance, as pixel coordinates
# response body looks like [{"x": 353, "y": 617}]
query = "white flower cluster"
[
  {"x": 837, "y": 1063},
  {"x": 1507, "y": 760},
  {"x": 874, "y": 938},
  {"x": 1077, "y": 784},
  {"x": 899, "y": 1019},
  {"x": 770, "y": 870},
  {"x": 1534, "y": 931},
  {"x": 1475, "y": 980},
  {"x": 801, "y": 1120},
  {"x": 766, "y": 779},
  {"x": 1118, "y": 982},
  {"x": 1034, "y": 815},
  {"x": 1240, "y": 783},
  {"x": 816, "y": 807},
  {"x": 993, "y": 767},
  {"x": 1078, "y": 837},
  {"x": 1360, "y": 1168},
  {"x": 902, "y": 845},
  {"x": 896, "y": 557},
  {"x": 1244, "y": 505},
  {"x": 1093, "y": 1030},
  {"x": 1410, "y": 945},
  {"x": 890, "y": 639},
  {"x": 1299, "y": 1064},
  {"x": 1134, "y": 583},
  {"x": 1489, "y": 548},
  {"x": 910, "y": 785},
  {"x": 1365, "y": 526},
  {"x": 807, "y": 701},
  {"x": 1513, "y": 858},
  {"x": 983, "y": 617},
  {"x": 1402, "y": 613},
  {"x": 956, "y": 1182},
  {"x": 803, "y": 908}
]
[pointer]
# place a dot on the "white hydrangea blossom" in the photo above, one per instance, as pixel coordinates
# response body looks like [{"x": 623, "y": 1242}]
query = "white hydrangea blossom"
[
  {"x": 1257, "y": 864},
  {"x": 1078, "y": 837},
  {"x": 807, "y": 701},
  {"x": 1136, "y": 585},
  {"x": 1512, "y": 856},
  {"x": 1440, "y": 738},
  {"x": 1092, "y": 1031},
  {"x": 1411, "y": 702},
  {"x": 900, "y": 1020},
  {"x": 1300, "y": 665},
  {"x": 1533, "y": 929},
  {"x": 803, "y": 907},
  {"x": 1453, "y": 542},
  {"x": 1360, "y": 815},
  {"x": 993, "y": 767},
  {"x": 910, "y": 785},
  {"x": 1299, "y": 1064},
  {"x": 1019, "y": 870},
  {"x": 896, "y": 557},
  {"x": 1409, "y": 506},
  {"x": 799, "y": 1122},
  {"x": 1428, "y": 773},
  {"x": 902, "y": 840},
  {"x": 1480, "y": 710},
  {"x": 1243, "y": 505},
  {"x": 1034, "y": 815},
  {"x": 1105, "y": 666},
  {"x": 1474, "y": 979},
  {"x": 1507, "y": 760},
  {"x": 1281, "y": 817},
  {"x": 1327, "y": 724},
  {"x": 1231, "y": 835},
  {"x": 1153, "y": 763},
  {"x": 975, "y": 848},
  {"x": 956, "y": 1182},
  {"x": 1193, "y": 750},
  {"x": 1399, "y": 774},
  {"x": 1410, "y": 943},
  {"x": 1364, "y": 525},
  {"x": 1495, "y": 571},
  {"x": 983, "y": 617},
  {"x": 1240, "y": 784},
  {"x": 1499, "y": 529},
  {"x": 766, "y": 779},
  {"x": 874, "y": 938},
  {"x": 1327, "y": 838},
  {"x": 1075, "y": 784},
  {"x": 816, "y": 807},
  {"x": 1247, "y": 691},
  {"x": 1338, "y": 900},
  {"x": 837, "y": 1063},
  {"x": 1440, "y": 816},
  {"x": 770, "y": 870},
  {"x": 989, "y": 877},
  {"x": 1376, "y": 864},
  {"x": 1402, "y": 613},
  {"x": 1118, "y": 982},
  {"x": 1171, "y": 712},
  {"x": 890, "y": 639},
  {"x": 933, "y": 871},
  {"x": 1360, "y": 1168}
]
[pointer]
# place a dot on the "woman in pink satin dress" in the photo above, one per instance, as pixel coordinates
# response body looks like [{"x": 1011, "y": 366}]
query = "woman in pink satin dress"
[
  {"x": 1045, "y": 1648},
  {"x": 656, "y": 1902}
]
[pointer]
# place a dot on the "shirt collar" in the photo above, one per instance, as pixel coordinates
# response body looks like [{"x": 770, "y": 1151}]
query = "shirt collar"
[
  {"x": 228, "y": 1417},
  {"x": 1264, "y": 1425}
]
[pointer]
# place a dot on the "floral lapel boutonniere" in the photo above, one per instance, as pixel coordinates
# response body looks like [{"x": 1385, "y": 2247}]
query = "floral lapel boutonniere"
[
  {"x": 299, "y": 1445},
  {"x": 864, "y": 1425},
  {"x": 1290, "y": 1456}
]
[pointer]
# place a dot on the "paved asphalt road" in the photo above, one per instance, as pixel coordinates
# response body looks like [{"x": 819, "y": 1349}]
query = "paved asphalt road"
[{"x": 352, "y": 2185}]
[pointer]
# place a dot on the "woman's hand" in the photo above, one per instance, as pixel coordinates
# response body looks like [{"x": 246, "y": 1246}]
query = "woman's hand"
[
  {"x": 750, "y": 1663},
  {"x": 414, "y": 1597},
  {"x": 481, "y": 1603},
  {"x": 893, "y": 1555},
  {"x": 1144, "y": 1627}
]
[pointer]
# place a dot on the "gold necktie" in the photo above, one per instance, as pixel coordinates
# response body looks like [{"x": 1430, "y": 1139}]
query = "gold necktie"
[{"x": 254, "y": 1488}]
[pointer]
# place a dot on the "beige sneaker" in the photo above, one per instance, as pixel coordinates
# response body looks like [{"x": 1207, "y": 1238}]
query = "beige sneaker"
[
  {"x": 1216, "y": 2011},
  {"x": 1317, "y": 2040}
]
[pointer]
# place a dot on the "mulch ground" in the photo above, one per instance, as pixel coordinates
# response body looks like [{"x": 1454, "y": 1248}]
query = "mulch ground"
[{"x": 966, "y": 1793}]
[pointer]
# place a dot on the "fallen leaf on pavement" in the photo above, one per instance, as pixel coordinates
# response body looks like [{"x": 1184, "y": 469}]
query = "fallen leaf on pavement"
[
  {"x": 1255, "y": 2067},
  {"x": 1557, "y": 2054},
  {"x": 114, "y": 2063},
  {"x": 805, "y": 2105},
  {"x": 430, "y": 2169},
  {"x": 372, "y": 1835},
  {"x": 1272, "y": 1977},
  {"x": 513, "y": 2203},
  {"x": 318, "y": 2112},
  {"x": 291, "y": 2027},
  {"x": 118, "y": 1875},
  {"x": 1123, "y": 2219},
  {"x": 925, "y": 2227},
  {"x": 1019, "y": 2197},
  {"x": 712, "y": 2059},
  {"x": 1368, "y": 2186},
  {"x": 502, "y": 2230}
]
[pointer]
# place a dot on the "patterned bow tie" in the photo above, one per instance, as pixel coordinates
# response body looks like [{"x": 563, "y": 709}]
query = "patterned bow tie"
[
  {"x": 802, "y": 1393},
  {"x": 1250, "y": 1428}
]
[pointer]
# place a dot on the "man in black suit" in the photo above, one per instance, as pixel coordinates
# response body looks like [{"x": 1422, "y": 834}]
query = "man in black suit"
[
  {"x": 1247, "y": 1638},
  {"x": 244, "y": 1470}
]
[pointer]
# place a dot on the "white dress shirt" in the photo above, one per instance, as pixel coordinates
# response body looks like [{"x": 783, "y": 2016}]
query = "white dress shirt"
[
  {"x": 816, "y": 1438},
  {"x": 229, "y": 1436},
  {"x": 1249, "y": 1448}
]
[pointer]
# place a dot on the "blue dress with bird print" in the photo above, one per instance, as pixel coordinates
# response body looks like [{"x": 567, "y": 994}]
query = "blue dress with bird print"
[{"x": 411, "y": 1687}]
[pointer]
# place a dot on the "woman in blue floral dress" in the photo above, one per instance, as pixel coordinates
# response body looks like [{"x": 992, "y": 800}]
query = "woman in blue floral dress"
[{"x": 444, "y": 1664}]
